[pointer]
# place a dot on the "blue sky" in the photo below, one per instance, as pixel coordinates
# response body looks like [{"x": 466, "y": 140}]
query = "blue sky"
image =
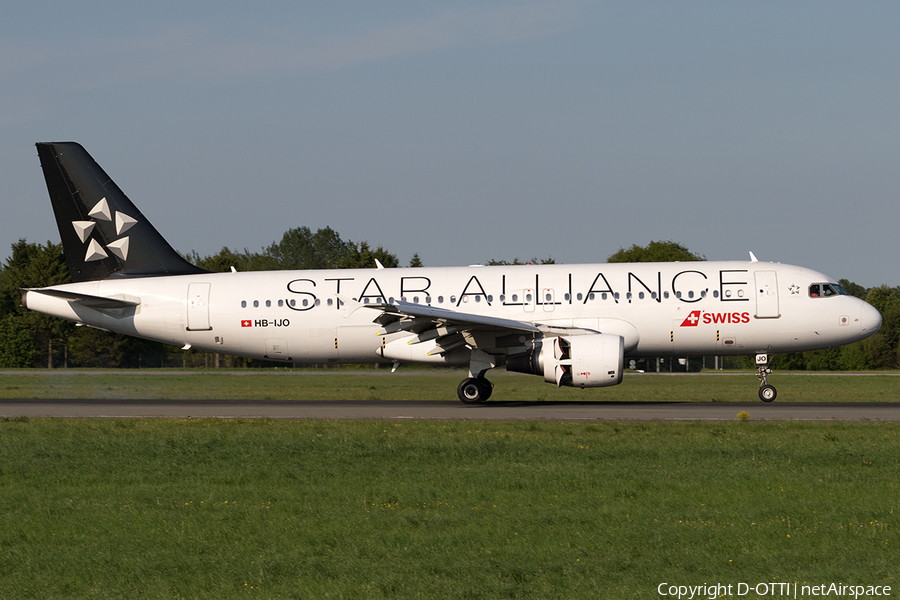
[{"x": 473, "y": 131}]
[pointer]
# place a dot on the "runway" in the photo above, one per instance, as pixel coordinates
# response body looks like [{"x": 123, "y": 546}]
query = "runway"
[{"x": 449, "y": 411}]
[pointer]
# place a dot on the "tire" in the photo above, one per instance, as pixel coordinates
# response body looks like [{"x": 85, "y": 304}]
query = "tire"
[
  {"x": 471, "y": 391},
  {"x": 488, "y": 388},
  {"x": 767, "y": 393}
]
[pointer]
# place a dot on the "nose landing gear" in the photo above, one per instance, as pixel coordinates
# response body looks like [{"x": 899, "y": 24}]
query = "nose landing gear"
[{"x": 767, "y": 392}]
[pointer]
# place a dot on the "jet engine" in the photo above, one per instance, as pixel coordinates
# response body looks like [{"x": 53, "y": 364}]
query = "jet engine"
[{"x": 595, "y": 360}]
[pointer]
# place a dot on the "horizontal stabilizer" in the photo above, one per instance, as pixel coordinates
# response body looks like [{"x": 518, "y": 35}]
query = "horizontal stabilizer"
[{"x": 89, "y": 301}]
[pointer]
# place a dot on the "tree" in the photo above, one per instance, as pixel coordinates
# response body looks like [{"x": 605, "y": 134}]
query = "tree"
[
  {"x": 90, "y": 347},
  {"x": 415, "y": 261},
  {"x": 534, "y": 261},
  {"x": 362, "y": 257},
  {"x": 887, "y": 301},
  {"x": 17, "y": 348},
  {"x": 667, "y": 251},
  {"x": 854, "y": 289},
  {"x": 300, "y": 248},
  {"x": 224, "y": 259},
  {"x": 34, "y": 265}
]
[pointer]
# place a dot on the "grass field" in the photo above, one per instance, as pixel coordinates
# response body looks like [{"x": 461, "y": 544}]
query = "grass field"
[
  {"x": 436, "y": 385},
  {"x": 317, "y": 509}
]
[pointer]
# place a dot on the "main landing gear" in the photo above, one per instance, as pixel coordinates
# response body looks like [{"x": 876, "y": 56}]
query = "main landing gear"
[
  {"x": 474, "y": 390},
  {"x": 767, "y": 392}
]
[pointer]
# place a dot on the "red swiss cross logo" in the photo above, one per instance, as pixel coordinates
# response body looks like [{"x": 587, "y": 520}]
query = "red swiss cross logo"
[
  {"x": 692, "y": 319},
  {"x": 246, "y": 323}
]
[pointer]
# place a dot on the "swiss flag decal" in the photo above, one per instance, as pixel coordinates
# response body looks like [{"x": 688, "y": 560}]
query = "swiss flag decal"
[
  {"x": 246, "y": 323},
  {"x": 692, "y": 319}
]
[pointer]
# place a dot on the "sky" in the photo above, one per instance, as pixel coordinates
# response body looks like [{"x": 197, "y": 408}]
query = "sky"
[{"x": 472, "y": 131}]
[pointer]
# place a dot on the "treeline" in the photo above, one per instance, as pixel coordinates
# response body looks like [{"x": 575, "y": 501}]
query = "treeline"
[
  {"x": 30, "y": 339},
  {"x": 300, "y": 248}
]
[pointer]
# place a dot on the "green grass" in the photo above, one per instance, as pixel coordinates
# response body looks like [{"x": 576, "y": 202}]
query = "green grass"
[
  {"x": 436, "y": 385},
  {"x": 317, "y": 509}
]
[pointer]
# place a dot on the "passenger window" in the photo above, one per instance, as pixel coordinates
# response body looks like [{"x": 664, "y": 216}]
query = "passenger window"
[
  {"x": 256, "y": 304},
  {"x": 243, "y": 304}
]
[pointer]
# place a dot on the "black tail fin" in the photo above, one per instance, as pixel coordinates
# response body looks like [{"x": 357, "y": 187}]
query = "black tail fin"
[{"x": 103, "y": 234}]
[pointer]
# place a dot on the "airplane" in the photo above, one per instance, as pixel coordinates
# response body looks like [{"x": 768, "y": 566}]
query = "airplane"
[{"x": 574, "y": 325}]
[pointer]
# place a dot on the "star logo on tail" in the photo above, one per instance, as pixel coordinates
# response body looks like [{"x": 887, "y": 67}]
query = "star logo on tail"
[{"x": 95, "y": 250}]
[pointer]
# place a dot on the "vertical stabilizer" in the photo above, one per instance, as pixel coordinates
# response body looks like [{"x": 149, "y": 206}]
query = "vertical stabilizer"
[{"x": 103, "y": 234}]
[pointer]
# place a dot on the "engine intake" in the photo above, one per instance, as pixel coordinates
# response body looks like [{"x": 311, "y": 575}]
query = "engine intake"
[{"x": 596, "y": 360}]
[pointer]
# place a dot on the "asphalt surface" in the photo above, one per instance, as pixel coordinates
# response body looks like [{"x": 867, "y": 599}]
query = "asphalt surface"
[{"x": 450, "y": 411}]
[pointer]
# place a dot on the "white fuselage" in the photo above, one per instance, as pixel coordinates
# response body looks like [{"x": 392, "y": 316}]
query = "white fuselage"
[{"x": 660, "y": 309}]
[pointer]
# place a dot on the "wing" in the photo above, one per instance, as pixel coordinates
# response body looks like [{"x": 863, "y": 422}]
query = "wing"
[{"x": 451, "y": 329}]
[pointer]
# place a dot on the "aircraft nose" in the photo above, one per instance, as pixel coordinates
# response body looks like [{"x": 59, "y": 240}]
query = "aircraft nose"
[{"x": 869, "y": 319}]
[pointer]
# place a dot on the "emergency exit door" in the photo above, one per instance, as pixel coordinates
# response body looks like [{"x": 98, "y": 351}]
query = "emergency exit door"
[
  {"x": 766, "y": 295},
  {"x": 198, "y": 307}
]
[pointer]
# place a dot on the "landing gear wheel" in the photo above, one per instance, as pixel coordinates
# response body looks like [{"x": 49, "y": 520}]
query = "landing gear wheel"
[
  {"x": 767, "y": 392},
  {"x": 488, "y": 388},
  {"x": 474, "y": 390}
]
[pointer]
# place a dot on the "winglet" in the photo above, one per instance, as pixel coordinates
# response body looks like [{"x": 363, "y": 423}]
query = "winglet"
[
  {"x": 378, "y": 264},
  {"x": 753, "y": 257}
]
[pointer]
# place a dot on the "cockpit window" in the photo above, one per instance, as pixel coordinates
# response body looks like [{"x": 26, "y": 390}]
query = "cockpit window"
[{"x": 820, "y": 290}]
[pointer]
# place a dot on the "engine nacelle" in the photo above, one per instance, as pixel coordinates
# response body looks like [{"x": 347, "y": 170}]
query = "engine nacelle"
[{"x": 596, "y": 360}]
